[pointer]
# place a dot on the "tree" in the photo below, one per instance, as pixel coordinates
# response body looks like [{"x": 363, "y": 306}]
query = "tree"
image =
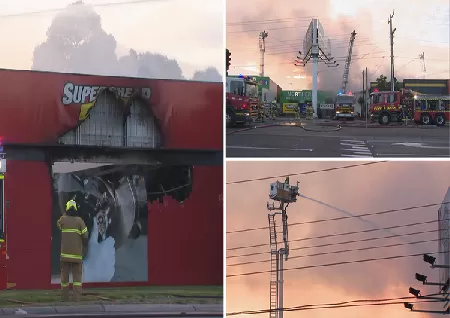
[
  {"x": 383, "y": 85},
  {"x": 209, "y": 75}
]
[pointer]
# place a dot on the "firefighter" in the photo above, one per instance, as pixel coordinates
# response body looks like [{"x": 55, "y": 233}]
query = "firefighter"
[
  {"x": 308, "y": 111},
  {"x": 273, "y": 109},
  {"x": 261, "y": 112},
  {"x": 74, "y": 234},
  {"x": 297, "y": 112}
]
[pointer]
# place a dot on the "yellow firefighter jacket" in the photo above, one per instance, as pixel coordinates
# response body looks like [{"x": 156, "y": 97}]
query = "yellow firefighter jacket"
[{"x": 73, "y": 233}]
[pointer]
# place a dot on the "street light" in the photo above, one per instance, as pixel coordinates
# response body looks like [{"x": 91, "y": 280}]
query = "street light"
[
  {"x": 408, "y": 306},
  {"x": 414, "y": 292},
  {"x": 429, "y": 259},
  {"x": 432, "y": 261},
  {"x": 423, "y": 280}
]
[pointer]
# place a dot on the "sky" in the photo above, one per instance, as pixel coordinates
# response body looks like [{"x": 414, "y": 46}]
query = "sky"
[
  {"x": 422, "y": 27},
  {"x": 366, "y": 189},
  {"x": 190, "y": 32}
]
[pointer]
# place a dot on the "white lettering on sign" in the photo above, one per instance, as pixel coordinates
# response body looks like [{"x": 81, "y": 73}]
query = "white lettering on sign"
[
  {"x": 79, "y": 94},
  {"x": 326, "y": 106}
]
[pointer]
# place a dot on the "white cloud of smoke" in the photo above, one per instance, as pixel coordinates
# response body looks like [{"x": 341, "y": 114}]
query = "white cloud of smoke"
[{"x": 77, "y": 43}]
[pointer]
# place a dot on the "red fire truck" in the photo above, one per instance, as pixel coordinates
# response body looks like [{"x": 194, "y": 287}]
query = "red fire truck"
[
  {"x": 242, "y": 100},
  {"x": 386, "y": 107},
  {"x": 429, "y": 109}
]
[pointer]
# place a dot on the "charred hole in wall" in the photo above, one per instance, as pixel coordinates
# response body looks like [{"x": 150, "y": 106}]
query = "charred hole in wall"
[
  {"x": 113, "y": 198},
  {"x": 113, "y": 122},
  {"x": 113, "y": 202}
]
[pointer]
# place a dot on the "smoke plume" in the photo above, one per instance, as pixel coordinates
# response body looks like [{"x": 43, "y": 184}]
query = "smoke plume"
[{"x": 77, "y": 43}]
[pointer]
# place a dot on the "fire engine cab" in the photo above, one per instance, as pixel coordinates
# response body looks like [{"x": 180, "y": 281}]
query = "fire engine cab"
[{"x": 242, "y": 100}]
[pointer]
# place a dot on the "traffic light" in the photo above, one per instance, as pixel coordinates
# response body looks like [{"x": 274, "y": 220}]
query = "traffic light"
[{"x": 228, "y": 60}]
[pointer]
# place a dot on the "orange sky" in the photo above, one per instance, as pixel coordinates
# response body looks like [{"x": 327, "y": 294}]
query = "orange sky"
[
  {"x": 358, "y": 190},
  {"x": 422, "y": 26}
]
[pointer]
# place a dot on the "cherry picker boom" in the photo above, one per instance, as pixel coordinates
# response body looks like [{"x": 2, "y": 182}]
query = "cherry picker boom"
[{"x": 284, "y": 194}]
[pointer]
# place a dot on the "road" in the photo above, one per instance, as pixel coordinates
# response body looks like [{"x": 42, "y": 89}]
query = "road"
[
  {"x": 348, "y": 142},
  {"x": 119, "y": 311},
  {"x": 118, "y": 315}
]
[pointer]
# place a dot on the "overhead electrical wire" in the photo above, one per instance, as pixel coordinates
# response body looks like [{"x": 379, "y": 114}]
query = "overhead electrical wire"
[
  {"x": 344, "y": 304},
  {"x": 104, "y": 4},
  {"x": 305, "y": 172},
  {"x": 337, "y": 252},
  {"x": 336, "y": 235},
  {"x": 344, "y": 217},
  {"x": 357, "y": 261}
]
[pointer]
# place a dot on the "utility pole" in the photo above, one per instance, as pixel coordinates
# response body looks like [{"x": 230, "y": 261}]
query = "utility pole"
[
  {"x": 367, "y": 101},
  {"x": 363, "y": 106},
  {"x": 284, "y": 194},
  {"x": 262, "y": 49},
  {"x": 391, "y": 36}
]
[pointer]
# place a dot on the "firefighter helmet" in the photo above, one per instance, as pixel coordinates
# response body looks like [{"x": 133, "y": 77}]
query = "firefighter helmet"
[{"x": 71, "y": 204}]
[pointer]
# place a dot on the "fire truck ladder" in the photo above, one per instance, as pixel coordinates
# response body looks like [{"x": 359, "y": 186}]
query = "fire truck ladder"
[
  {"x": 273, "y": 267},
  {"x": 347, "y": 62}
]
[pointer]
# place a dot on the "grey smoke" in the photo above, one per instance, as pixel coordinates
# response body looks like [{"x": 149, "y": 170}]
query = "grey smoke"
[
  {"x": 286, "y": 38},
  {"x": 77, "y": 43}
]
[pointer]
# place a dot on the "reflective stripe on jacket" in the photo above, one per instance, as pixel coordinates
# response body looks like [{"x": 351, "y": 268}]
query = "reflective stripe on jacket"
[{"x": 73, "y": 232}]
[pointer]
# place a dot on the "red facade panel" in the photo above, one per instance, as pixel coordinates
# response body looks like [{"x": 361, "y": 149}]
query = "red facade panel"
[
  {"x": 185, "y": 240},
  {"x": 189, "y": 113}
]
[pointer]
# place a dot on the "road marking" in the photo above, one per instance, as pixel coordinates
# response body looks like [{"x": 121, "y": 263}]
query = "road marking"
[
  {"x": 407, "y": 154},
  {"x": 354, "y": 141},
  {"x": 358, "y": 148},
  {"x": 356, "y": 156},
  {"x": 417, "y": 145},
  {"x": 267, "y": 148}
]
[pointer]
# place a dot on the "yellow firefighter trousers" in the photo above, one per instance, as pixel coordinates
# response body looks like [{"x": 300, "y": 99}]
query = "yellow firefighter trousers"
[{"x": 77, "y": 272}]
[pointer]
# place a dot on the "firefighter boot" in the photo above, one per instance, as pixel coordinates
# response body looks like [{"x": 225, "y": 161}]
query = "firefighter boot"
[
  {"x": 65, "y": 270},
  {"x": 77, "y": 272}
]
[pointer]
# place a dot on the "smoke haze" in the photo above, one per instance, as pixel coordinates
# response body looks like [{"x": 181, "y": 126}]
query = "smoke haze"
[
  {"x": 287, "y": 22},
  {"x": 77, "y": 43},
  {"x": 359, "y": 190}
]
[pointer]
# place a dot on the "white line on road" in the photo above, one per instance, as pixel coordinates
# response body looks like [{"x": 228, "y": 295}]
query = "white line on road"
[
  {"x": 267, "y": 148},
  {"x": 407, "y": 154},
  {"x": 356, "y": 156},
  {"x": 354, "y": 141},
  {"x": 358, "y": 150}
]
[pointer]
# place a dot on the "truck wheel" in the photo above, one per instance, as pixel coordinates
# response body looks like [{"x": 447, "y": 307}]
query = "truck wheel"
[
  {"x": 230, "y": 118},
  {"x": 440, "y": 120},
  {"x": 425, "y": 119},
  {"x": 384, "y": 119}
]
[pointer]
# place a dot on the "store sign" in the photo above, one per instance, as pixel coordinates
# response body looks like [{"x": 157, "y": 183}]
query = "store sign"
[{"x": 326, "y": 106}]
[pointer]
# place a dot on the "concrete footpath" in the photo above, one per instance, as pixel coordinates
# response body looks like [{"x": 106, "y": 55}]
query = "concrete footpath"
[{"x": 163, "y": 310}]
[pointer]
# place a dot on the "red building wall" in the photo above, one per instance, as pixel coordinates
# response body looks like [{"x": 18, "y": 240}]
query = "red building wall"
[{"x": 185, "y": 242}]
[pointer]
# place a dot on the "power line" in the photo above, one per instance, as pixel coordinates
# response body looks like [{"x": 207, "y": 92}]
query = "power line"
[
  {"x": 339, "y": 234},
  {"x": 108, "y": 4},
  {"x": 366, "y": 260},
  {"x": 344, "y": 217},
  {"x": 304, "y": 173},
  {"x": 338, "y": 252},
  {"x": 345, "y": 304}
]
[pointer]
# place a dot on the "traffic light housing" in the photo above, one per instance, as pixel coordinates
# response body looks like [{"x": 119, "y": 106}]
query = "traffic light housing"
[{"x": 228, "y": 60}]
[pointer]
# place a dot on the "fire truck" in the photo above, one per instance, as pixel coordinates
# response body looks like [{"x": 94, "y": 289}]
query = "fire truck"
[
  {"x": 431, "y": 109},
  {"x": 394, "y": 106},
  {"x": 345, "y": 106},
  {"x": 242, "y": 101}
]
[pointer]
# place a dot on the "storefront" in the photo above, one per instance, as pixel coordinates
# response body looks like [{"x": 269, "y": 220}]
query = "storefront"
[{"x": 149, "y": 182}]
